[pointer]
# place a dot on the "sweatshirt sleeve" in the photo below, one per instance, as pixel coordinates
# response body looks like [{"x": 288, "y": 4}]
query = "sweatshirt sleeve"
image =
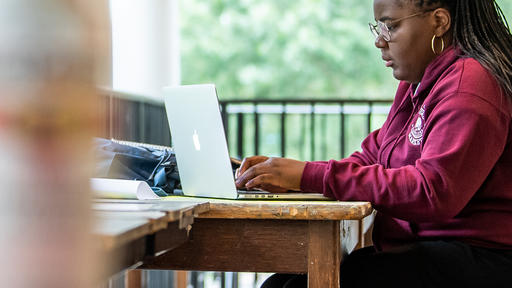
[{"x": 464, "y": 137}]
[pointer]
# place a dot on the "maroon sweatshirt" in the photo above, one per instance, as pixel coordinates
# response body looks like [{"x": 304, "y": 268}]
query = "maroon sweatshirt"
[{"x": 441, "y": 165}]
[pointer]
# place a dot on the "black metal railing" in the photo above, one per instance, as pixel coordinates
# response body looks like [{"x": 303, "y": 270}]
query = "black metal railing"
[
  {"x": 313, "y": 123},
  {"x": 311, "y": 129},
  {"x": 133, "y": 118}
]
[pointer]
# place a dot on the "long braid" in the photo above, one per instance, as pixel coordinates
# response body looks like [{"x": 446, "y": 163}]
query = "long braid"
[{"x": 481, "y": 31}]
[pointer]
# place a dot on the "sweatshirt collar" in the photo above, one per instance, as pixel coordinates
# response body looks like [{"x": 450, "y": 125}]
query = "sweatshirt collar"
[{"x": 435, "y": 69}]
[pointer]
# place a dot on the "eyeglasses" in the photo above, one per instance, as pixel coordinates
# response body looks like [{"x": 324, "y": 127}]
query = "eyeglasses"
[{"x": 385, "y": 29}]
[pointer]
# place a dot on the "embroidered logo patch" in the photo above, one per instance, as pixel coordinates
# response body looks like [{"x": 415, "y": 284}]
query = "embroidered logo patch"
[{"x": 416, "y": 134}]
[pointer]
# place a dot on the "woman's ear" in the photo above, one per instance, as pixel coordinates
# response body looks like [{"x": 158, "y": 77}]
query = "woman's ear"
[{"x": 442, "y": 21}]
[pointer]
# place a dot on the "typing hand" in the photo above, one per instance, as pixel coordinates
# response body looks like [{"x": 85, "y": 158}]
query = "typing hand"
[
  {"x": 247, "y": 163},
  {"x": 270, "y": 174}
]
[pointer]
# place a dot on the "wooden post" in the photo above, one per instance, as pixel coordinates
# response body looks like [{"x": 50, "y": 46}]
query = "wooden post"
[
  {"x": 181, "y": 279},
  {"x": 133, "y": 279},
  {"x": 324, "y": 254}
]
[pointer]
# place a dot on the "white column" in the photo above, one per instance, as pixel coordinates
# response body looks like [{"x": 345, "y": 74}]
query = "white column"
[{"x": 145, "y": 41}]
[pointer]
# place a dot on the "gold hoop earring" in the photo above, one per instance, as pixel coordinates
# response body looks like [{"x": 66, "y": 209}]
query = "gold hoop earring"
[{"x": 433, "y": 46}]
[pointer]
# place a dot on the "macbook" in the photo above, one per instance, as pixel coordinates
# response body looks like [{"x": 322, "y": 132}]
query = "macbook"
[{"x": 201, "y": 149}]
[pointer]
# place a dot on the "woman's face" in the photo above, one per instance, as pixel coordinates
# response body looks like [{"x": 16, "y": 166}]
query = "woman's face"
[{"x": 409, "y": 51}]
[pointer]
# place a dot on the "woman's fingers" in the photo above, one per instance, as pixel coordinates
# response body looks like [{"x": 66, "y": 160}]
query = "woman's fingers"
[
  {"x": 251, "y": 172},
  {"x": 249, "y": 162},
  {"x": 278, "y": 173},
  {"x": 266, "y": 182}
]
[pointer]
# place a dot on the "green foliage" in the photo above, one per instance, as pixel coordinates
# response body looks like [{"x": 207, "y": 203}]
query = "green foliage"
[{"x": 283, "y": 49}]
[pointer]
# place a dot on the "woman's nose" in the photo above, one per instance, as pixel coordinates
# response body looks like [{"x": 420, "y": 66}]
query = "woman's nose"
[{"x": 380, "y": 42}]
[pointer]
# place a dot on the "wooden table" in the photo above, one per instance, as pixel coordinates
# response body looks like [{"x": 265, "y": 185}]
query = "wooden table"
[
  {"x": 126, "y": 229},
  {"x": 265, "y": 236}
]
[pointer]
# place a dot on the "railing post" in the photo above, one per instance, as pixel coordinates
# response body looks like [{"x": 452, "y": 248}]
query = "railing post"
[
  {"x": 225, "y": 120},
  {"x": 141, "y": 122},
  {"x": 256, "y": 130},
  {"x": 240, "y": 134},
  {"x": 222, "y": 279},
  {"x": 303, "y": 120},
  {"x": 342, "y": 130},
  {"x": 369, "y": 119},
  {"x": 323, "y": 132},
  {"x": 283, "y": 130},
  {"x": 312, "y": 130}
]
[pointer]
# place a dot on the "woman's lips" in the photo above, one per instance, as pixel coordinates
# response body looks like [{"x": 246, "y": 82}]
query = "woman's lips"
[{"x": 388, "y": 61}]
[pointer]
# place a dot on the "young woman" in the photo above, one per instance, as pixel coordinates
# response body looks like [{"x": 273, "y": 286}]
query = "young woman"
[{"x": 438, "y": 171}]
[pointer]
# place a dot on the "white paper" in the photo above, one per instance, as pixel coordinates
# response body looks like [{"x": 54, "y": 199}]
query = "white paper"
[{"x": 121, "y": 189}]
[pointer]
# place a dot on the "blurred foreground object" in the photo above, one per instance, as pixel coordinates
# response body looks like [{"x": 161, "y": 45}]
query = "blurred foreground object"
[{"x": 47, "y": 119}]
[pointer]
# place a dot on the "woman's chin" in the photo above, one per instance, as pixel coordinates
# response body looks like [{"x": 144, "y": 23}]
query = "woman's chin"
[
  {"x": 398, "y": 75},
  {"x": 410, "y": 78}
]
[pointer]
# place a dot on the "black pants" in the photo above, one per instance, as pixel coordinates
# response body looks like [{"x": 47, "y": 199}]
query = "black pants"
[{"x": 424, "y": 264}]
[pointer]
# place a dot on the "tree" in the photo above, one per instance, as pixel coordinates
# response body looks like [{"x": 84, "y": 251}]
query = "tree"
[{"x": 283, "y": 49}]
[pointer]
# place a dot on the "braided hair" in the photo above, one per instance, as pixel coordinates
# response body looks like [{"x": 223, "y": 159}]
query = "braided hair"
[{"x": 481, "y": 31}]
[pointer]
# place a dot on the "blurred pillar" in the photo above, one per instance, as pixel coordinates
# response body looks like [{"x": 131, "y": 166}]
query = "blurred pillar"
[
  {"x": 101, "y": 32},
  {"x": 47, "y": 118}
]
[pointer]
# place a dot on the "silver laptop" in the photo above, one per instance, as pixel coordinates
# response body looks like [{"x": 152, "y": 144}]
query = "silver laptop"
[{"x": 201, "y": 149}]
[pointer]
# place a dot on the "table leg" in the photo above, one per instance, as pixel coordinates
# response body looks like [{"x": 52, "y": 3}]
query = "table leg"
[
  {"x": 181, "y": 279},
  {"x": 324, "y": 254},
  {"x": 133, "y": 279}
]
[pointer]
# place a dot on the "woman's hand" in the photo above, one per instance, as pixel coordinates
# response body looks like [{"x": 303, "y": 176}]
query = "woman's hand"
[
  {"x": 270, "y": 174},
  {"x": 248, "y": 162}
]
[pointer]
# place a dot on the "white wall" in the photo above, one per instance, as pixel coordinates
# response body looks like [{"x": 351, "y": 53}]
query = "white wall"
[{"x": 145, "y": 46}]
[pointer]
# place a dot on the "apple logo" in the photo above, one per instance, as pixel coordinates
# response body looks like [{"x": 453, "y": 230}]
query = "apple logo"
[{"x": 195, "y": 138}]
